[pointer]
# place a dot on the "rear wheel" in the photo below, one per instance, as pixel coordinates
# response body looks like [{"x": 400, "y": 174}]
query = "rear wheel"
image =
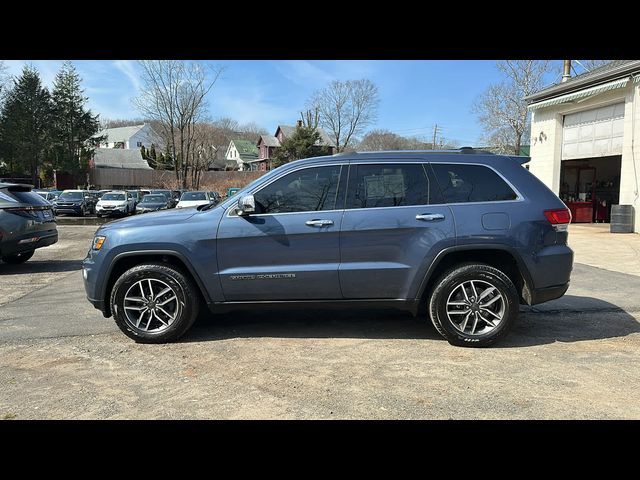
[
  {"x": 154, "y": 303},
  {"x": 473, "y": 305},
  {"x": 18, "y": 257}
]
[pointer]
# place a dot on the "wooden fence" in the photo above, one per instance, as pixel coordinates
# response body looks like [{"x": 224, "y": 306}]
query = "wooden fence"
[{"x": 132, "y": 178}]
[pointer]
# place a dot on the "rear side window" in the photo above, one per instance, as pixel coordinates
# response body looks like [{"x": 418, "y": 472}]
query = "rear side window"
[
  {"x": 471, "y": 183},
  {"x": 28, "y": 197},
  {"x": 387, "y": 185}
]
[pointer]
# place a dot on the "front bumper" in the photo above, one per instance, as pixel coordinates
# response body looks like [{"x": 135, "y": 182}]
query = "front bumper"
[
  {"x": 76, "y": 209},
  {"x": 110, "y": 211},
  {"x": 13, "y": 246}
]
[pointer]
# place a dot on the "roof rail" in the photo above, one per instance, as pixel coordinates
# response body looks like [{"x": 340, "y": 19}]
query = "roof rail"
[{"x": 464, "y": 150}]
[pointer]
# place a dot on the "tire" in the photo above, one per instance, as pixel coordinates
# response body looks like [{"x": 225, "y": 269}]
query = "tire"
[
  {"x": 84, "y": 211},
  {"x": 483, "y": 278},
  {"x": 184, "y": 308},
  {"x": 18, "y": 258},
  {"x": 98, "y": 215}
]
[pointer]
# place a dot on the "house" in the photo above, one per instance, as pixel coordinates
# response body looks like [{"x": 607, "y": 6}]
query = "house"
[
  {"x": 242, "y": 152},
  {"x": 583, "y": 132},
  {"x": 119, "y": 168},
  {"x": 220, "y": 161},
  {"x": 129, "y": 138},
  {"x": 268, "y": 145}
]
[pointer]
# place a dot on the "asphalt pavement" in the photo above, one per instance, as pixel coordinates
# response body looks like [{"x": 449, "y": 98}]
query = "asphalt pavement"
[{"x": 575, "y": 357}]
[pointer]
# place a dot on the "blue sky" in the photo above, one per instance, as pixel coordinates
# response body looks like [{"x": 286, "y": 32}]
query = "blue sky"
[{"x": 414, "y": 94}]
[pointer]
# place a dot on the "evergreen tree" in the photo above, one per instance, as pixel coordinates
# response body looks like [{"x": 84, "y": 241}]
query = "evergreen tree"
[
  {"x": 143, "y": 152},
  {"x": 152, "y": 152},
  {"x": 74, "y": 127},
  {"x": 302, "y": 144},
  {"x": 25, "y": 123}
]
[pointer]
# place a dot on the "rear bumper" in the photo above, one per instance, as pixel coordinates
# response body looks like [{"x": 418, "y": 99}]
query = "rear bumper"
[
  {"x": 13, "y": 246},
  {"x": 542, "y": 295}
]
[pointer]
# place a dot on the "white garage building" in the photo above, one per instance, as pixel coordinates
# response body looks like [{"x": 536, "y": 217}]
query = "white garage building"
[{"x": 583, "y": 133}]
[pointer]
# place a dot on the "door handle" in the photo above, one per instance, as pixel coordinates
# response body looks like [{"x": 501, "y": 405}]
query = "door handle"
[
  {"x": 319, "y": 223},
  {"x": 429, "y": 217}
]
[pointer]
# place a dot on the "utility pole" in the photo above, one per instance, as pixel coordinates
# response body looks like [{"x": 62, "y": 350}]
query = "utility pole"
[{"x": 435, "y": 134}]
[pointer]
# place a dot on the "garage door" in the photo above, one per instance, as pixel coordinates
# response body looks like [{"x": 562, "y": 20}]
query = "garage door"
[{"x": 593, "y": 133}]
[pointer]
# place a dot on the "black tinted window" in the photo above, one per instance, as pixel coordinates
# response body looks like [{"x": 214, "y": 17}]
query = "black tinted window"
[
  {"x": 31, "y": 198},
  {"x": 306, "y": 190},
  {"x": 388, "y": 185},
  {"x": 471, "y": 183}
]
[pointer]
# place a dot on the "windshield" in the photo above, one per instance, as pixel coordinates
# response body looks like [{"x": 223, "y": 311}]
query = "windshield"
[
  {"x": 71, "y": 196},
  {"x": 193, "y": 196},
  {"x": 154, "y": 199},
  {"x": 113, "y": 196}
]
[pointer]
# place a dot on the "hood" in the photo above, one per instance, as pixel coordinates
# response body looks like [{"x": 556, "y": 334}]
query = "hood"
[
  {"x": 191, "y": 203},
  {"x": 162, "y": 217},
  {"x": 111, "y": 203}
]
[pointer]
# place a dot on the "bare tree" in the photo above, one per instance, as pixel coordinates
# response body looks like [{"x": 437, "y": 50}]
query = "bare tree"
[
  {"x": 120, "y": 122},
  {"x": 377, "y": 140},
  {"x": 346, "y": 108},
  {"x": 173, "y": 94},
  {"x": 502, "y": 110}
]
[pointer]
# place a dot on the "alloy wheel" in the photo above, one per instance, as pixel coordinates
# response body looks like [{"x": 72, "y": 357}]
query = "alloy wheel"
[
  {"x": 476, "y": 307},
  {"x": 151, "y": 305}
]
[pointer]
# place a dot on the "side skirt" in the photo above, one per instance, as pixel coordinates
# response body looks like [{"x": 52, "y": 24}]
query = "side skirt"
[{"x": 399, "y": 304}]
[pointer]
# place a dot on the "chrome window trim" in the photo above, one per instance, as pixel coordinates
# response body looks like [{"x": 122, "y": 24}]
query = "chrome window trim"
[{"x": 353, "y": 161}]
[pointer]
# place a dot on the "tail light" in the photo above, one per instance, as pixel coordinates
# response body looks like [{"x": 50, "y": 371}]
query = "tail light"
[
  {"x": 28, "y": 212},
  {"x": 559, "y": 218}
]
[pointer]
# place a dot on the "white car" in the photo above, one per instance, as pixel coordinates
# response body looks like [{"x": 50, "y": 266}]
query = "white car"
[
  {"x": 194, "y": 199},
  {"x": 116, "y": 202}
]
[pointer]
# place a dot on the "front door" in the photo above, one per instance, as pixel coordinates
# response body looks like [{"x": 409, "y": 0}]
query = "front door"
[
  {"x": 289, "y": 249},
  {"x": 393, "y": 226}
]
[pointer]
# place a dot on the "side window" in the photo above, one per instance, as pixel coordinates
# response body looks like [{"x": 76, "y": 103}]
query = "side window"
[
  {"x": 306, "y": 190},
  {"x": 471, "y": 183},
  {"x": 387, "y": 185}
]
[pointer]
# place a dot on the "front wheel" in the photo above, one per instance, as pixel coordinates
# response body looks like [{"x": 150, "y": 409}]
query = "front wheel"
[
  {"x": 473, "y": 305},
  {"x": 154, "y": 303},
  {"x": 18, "y": 257}
]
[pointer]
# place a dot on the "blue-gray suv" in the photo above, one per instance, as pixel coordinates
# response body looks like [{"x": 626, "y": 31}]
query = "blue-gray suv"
[{"x": 466, "y": 235}]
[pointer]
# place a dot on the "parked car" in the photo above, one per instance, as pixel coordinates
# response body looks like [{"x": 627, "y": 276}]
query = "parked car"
[
  {"x": 169, "y": 194},
  {"x": 27, "y": 222},
  {"x": 47, "y": 195},
  {"x": 466, "y": 235},
  {"x": 194, "y": 199},
  {"x": 116, "y": 202},
  {"x": 152, "y": 202},
  {"x": 216, "y": 196},
  {"x": 102, "y": 192},
  {"x": 232, "y": 191},
  {"x": 78, "y": 202},
  {"x": 137, "y": 196}
]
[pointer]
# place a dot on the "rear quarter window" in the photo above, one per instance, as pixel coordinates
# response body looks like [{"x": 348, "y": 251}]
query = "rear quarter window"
[
  {"x": 24, "y": 197},
  {"x": 471, "y": 183}
]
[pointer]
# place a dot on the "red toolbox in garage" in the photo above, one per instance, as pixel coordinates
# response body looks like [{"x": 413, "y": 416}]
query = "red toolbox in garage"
[{"x": 581, "y": 212}]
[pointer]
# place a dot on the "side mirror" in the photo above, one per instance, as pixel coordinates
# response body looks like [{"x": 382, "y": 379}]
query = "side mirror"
[{"x": 246, "y": 205}]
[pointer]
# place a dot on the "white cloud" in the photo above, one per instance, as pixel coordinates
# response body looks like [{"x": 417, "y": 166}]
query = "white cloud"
[
  {"x": 127, "y": 67},
  {"x": 303, "y": 72}
]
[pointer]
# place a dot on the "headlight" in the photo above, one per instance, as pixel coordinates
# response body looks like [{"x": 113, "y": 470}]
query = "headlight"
[{"x": 98, "y": 241}]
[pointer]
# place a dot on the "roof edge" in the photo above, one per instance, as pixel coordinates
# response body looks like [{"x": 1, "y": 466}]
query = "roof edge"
[{"x": 579, "y": 84}]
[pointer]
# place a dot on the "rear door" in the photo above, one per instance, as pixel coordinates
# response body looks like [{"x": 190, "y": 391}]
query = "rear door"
[
  {"x": 289, "y": 249},
  {"x": 393, "y": 226}
]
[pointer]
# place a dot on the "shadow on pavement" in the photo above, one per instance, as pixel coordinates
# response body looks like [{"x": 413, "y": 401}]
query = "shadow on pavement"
[
  {"x": 366, "y": 324},
  {"x": 35, "y": 266},
  {"x": 572, "y": 320}
]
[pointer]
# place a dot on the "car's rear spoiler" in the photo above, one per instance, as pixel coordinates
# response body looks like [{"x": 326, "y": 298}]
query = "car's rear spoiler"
[{"x": 521, "y": 159}]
